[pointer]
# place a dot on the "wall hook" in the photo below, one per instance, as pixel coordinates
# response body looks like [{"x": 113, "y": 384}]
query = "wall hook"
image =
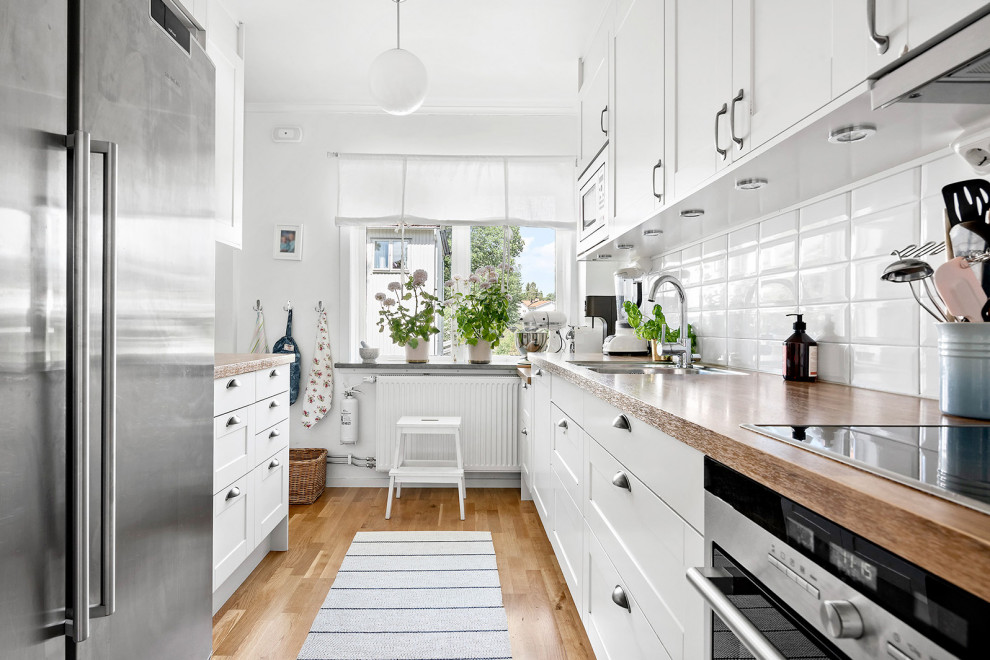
[
  {"x": 319, "y": 307},
  {"x": 287, "y": 306},
  {"x": 257, "y": 305}
]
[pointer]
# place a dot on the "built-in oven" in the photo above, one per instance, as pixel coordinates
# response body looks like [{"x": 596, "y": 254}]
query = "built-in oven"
[
  {"x": 594, "y": 216},
  {"x": 782, "y": 582}
]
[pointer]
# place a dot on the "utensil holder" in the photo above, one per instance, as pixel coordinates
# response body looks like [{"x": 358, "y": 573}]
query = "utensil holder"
[{"x": 964, "y": 369}]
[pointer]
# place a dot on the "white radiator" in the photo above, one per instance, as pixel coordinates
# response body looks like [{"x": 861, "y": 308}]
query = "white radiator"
[{"x": 487, "y": 407}]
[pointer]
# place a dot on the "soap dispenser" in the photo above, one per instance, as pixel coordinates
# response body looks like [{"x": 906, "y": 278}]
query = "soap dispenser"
[{"x": 800, "y": 354}]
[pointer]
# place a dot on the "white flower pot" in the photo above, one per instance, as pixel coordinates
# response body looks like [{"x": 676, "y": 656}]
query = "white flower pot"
[
  {"x": 480, "y": 353},
  {"x": 419, "y": 354}
]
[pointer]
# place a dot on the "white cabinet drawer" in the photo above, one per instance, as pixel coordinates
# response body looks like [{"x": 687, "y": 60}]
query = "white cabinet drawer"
[
  {"x": 232, "y": 393},
  {"x": 567, "y": 453},
  {"x": 668, "y": 467},
  {"x": 269, "y": 412},
  {"x": 570, "y": 399},
  {"x": 233, "y": 447},
  {"x": 271, "y": 492},
  {"x": 269, "y": 382},
  {"x": 568, "y": 536},
  {"x": 233, "y": 529},
  {"x": 650, "y": 546},
  {"x": 271, "y": 440},
  {"x": 616, "y": 633}
]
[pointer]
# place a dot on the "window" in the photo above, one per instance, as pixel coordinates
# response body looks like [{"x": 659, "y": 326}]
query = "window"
[{"x": 388, "y": 256}]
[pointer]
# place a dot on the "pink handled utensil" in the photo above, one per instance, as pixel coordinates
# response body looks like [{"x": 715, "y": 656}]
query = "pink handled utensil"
[{"x": 959, "y": 288}]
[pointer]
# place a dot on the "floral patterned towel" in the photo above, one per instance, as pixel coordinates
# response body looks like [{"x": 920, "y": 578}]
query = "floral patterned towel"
[{"x": 319, "y": 391}]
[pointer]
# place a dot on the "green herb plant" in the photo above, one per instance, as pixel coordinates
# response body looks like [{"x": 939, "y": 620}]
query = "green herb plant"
[
  {"x": 484, "y": 310},
  {"x": 650, "y": 329},
  {"x": 407, "y": 325}
]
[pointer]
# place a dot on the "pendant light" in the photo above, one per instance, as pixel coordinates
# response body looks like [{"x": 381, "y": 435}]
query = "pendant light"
[{"x": 397, "y": 78}]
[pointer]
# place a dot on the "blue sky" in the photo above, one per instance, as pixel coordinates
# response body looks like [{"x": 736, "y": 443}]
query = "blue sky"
[{"x": 537, "y": 262}]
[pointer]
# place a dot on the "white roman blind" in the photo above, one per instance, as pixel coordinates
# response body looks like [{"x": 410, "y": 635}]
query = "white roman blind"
[{"x": 456, "y": 190}]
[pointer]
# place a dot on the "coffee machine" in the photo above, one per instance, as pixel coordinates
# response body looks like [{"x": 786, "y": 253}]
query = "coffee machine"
[{"x": 628, "y": 286}]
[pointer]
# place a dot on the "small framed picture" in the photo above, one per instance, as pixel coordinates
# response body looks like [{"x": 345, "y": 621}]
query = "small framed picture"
[{"x": 288, "y": 242}]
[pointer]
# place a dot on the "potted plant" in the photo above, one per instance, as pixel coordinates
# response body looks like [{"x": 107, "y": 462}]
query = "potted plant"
[
  {"x": 651, "y": 329},
  {"x": 409, "y": 326},
  {"x": 482, "y": 311}
]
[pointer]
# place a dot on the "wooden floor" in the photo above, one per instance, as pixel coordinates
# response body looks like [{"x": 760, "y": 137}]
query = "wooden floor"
[{"x": 270, "y": 615}]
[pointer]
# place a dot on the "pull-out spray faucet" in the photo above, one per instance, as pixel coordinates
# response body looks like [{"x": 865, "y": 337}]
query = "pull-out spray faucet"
[{"x": 683, "y": 346}]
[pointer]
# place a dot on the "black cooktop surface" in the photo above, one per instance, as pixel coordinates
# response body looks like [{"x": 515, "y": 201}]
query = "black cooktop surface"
[{"x": 952, "y": 462}]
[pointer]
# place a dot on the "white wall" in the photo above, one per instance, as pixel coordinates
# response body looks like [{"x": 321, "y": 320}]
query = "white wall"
[
  {"x": 823, "y": 259},
  {"x": 297, "y": 183}
]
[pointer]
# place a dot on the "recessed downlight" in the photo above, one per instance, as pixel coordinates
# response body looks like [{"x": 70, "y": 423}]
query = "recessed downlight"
[
  {"x": 604, "y": 255},
  {"x": 852, "y": 133},
  {"x": 750, "y": 184},
  {"x": 624, "y": 246},
  {"x": 692, "y": 213},
  {"x": 652, "y": 233}
]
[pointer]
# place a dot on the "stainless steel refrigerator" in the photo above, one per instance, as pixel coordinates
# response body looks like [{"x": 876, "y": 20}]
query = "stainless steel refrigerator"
[{"x": 106, "y": 332}]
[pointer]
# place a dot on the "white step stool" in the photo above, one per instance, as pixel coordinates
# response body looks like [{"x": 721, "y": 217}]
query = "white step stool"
[{"x": 419, "y": 471}]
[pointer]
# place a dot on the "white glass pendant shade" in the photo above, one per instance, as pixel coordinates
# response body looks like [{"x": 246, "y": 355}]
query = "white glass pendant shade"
[{"x": 398, "y": 81}]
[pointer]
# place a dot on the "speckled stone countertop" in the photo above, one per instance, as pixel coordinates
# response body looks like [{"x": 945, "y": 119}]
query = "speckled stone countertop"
[
  {"x": 226, "y": 365},
  {"x": 705, "y": 412}
]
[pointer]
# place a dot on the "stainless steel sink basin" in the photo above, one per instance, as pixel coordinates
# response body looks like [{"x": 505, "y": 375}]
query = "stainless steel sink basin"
[{"x": 657, "y": 369}]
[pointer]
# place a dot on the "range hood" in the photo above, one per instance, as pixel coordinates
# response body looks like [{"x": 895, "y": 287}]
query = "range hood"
[{"x": 954, "y": 69}]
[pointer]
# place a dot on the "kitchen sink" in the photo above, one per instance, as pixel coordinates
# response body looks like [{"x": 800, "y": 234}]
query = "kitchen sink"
[{"x": 656, "y": 369}]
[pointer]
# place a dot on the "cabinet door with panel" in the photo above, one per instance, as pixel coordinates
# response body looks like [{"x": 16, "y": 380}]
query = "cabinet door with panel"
[
  {"x": 225, "y": 46},
  {"x": 638, "y": 116},
  {"x": 233, "y": 528},
  {"x": 271, "y": 492},
  {"x": 542, "y": 439},
  {"x": 593, "y": 95},
  {"x": 867, "y": 36},
  {"x": 929, "y": 18},
  {"x": 525, "y": 440}
]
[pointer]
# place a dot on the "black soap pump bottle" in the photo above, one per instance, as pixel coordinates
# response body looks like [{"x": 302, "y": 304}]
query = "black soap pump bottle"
[{"x": 800, "y": 354}]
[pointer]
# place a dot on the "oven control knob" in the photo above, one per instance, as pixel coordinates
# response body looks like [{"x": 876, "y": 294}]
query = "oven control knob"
[{"x": 841, "y": 619}]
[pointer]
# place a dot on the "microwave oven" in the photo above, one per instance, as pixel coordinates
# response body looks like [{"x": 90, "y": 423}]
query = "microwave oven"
[{"x": 593, "y": 217}]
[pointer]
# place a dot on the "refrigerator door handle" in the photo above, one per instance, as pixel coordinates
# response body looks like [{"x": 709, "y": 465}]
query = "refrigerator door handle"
[
  {"x": 108, "y": 449},
  {"x": 77, "y": 492}
]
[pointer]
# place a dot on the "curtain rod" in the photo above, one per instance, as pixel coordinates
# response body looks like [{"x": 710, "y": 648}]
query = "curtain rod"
[{"x": 337, "y": 154}]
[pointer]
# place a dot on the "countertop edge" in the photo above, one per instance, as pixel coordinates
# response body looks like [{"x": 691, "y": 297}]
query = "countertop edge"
[
  {"x": 956, "y": 540},
  {"x": 227, "y": 365}
]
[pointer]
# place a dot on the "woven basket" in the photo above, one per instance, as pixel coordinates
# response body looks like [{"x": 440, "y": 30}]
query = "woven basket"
[{"x": 307, "y": 475}]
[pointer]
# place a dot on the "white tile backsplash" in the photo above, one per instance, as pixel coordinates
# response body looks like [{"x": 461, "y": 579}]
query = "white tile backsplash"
[{"x": 824, "y": 260}]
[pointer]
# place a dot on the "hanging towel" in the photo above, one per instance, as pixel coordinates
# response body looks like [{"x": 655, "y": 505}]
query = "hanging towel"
[
  {"x": 288, "y": 345},
  {"x": 259, "y": 340},
  {"x": 319, "y": 392}
]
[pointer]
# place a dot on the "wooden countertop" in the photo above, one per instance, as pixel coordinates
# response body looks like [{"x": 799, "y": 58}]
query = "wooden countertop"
[
  {"x": 226, "y": 365},
  {"x": 948, "y": 539}
]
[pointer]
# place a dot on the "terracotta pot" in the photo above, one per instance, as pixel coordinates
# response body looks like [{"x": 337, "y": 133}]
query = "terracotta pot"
[
  {"x": 419, "y": 354},
  {"x": 480, "y": 353}
]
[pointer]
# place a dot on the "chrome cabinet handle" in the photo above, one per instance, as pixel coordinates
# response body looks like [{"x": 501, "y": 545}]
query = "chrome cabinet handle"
[
  {"x": 274, "y": 434},
  {"x": 655, "y": 168},
  {"x": 704, "y": 580},
  {"x": 524, "y": 432},
  {"x": 274, "y": 404},
  {"x": 721, "y": 152},
  {"x": 601, "y": 121},
  {"x": 233, "y": 421},
  {"x": 562, "y": 424},
  {"x": 232, "y": 383},
  {"x": 274, "y": 464},
  {"x": 732, "y": 120},
  {"x": 232, "y": 493},
  {"x": 622, "y": 423},
  {"x": 882, "y": 42},
  {"x": 620, "y": 480},
  {"x": 274, "y": 373},
  {"x": 78, "y": 376},
  {"x": 620, "y": 599},
  {"x": 525, "y": 386},
  {"x": 538, "y": 372}
]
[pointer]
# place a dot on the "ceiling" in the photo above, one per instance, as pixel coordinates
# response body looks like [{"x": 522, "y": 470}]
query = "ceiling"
[{"x": 494, "y": 56}]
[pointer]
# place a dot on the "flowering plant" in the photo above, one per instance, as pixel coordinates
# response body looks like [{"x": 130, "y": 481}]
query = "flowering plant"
[
  {"x": 407, "y": 325},
  {"x": 482, "y": 311}
]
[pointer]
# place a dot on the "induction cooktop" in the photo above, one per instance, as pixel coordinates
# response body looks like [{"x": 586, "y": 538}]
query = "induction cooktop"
[{"x": 952, "y": 462}]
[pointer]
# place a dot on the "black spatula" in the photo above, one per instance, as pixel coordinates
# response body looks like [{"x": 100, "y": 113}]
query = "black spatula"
[{"x": 967, "y": 201}]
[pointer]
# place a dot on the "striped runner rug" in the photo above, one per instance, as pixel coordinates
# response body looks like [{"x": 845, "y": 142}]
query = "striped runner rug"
[{"x": 413, "y": 596}]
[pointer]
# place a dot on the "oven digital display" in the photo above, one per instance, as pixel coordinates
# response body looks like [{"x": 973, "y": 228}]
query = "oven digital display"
[
  {"x": 800, "y": 534},
  {"x": 852, "y": 566}
]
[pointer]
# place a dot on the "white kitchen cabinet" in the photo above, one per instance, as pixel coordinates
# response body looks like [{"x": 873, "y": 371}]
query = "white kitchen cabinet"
[
  {"x": 195, "y": 10},
  {"x": 233, "y": 528},
  {"x": 638, "y": 114},
  {"x": 567, "y": 535},
  {"x": 225, "y": 47},
  {"x": 792, "y": 64},
  {"x": 526, "y": 434},
  {"x": 593, "y": 95},
  {"x": 271, "y": 485},
  {"x": 233, "y": 446},
  {"x": 542, "y": 438},
  {"x": 928, "y": 18}
]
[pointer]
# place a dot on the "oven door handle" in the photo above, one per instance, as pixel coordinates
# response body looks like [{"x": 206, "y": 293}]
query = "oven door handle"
[{"x": 704, "y": 581}]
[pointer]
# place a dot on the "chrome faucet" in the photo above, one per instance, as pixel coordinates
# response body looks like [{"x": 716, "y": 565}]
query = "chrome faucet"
[{"x": 683, "y": 346}]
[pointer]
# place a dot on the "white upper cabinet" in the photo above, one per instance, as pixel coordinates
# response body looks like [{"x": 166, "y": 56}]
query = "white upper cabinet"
[
  {"x": 225, "y": 46},
  {"x": 927, "y": 18},
  {"x": 593, "y": 95},
  {"x": 792, "y": 64},
  {"x": 638, "y": 116},
  {"x": 196, "y": 10}
]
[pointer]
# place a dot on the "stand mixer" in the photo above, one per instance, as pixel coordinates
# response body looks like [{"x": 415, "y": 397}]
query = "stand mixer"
[
  {"x": 541, "y": 331},
  {"x": 628, "y": 286}
]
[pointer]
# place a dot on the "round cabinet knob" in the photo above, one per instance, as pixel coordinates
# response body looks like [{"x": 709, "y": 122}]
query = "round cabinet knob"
[{"x": 842, "y": 619}]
